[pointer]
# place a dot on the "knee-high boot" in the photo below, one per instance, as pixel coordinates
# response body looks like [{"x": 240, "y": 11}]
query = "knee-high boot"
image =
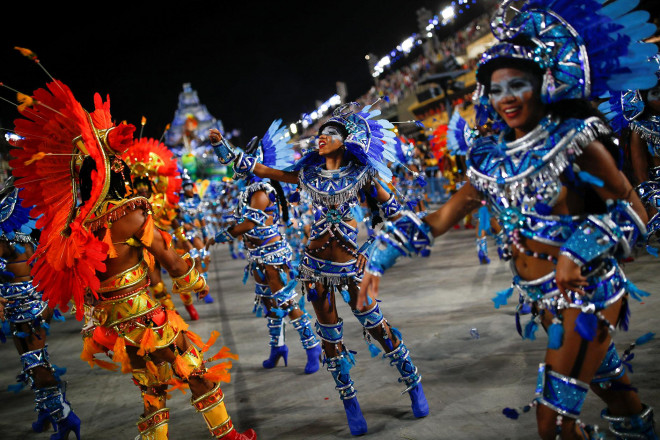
[
  {"x": 309, "y": 341},
  {"x": 277, "y": 347},
  {"x": 50, "y": 401},
  {"x": 399, "y": 357},
  {"x": 212, "y": 407},
  {"x": 339, "y": 366},
  {"x": 160, "y": 293},
  {"x": 154, "y": 426}
]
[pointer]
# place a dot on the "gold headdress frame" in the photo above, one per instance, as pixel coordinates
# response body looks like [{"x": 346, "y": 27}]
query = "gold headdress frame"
[{"x": 79, "y": 153}]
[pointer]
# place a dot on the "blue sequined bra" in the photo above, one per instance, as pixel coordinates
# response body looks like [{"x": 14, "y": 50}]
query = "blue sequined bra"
[
  {"x": 244, "y": 211},
  {"x": 522, "y": 179}
]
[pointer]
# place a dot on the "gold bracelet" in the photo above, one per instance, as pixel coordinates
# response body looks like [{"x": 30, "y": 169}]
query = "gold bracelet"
[{"x": 191, "y": 281}]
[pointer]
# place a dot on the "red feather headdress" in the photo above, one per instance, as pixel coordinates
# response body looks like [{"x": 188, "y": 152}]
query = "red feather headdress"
[
  {"x": 57, "y": 135},
  {"x": 151, "y": 158}
]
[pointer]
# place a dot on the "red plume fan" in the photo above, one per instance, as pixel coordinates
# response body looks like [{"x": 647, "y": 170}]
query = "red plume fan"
[{"x": 57, "y": 134}]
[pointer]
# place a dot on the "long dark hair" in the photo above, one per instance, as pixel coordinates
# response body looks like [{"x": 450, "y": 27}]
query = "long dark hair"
[
  {"x": 284, "y": 204},
  {"x": 120, "y": 182}
]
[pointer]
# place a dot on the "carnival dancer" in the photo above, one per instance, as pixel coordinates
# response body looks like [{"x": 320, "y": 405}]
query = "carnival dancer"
[
  {"x": 352, "y": 150},
  {"x": 567, "y": 209},
  {"x": 29, "y": 318},
  {"x": 262, "y": 207},
  {"x": 639, "y": 111},
  {"x": 193, "y": 227},
  {"x": 155, "y": 177},
  {"x": 98, "y": 253}
]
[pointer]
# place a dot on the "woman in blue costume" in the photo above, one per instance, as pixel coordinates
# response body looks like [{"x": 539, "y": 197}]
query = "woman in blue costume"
[
  {"x": 568, "y": 211},
  {"x": 260, "y": 209},
  {"x": 639, "y": 112},
  {"x": 352, "y": 150},
  {"x": 29, "y": 318}
]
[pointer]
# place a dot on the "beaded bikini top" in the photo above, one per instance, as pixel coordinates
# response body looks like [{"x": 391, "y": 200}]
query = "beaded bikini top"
[{"x": 522, "y": 179}]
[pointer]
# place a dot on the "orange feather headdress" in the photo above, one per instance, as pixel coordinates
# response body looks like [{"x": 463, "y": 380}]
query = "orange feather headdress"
[
  {"x": 152, "y": 159},
  {"x": 58, "y": 134}
]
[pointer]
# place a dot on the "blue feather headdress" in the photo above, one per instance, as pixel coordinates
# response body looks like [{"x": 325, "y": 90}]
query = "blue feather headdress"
[
  {"x": 585, "y": 49},
  {"x": 460, "y": 136},
  {"x": 622, "y": 108},
  {"x": 16, "y": 225},
  {"x": 371, "y": 141}
]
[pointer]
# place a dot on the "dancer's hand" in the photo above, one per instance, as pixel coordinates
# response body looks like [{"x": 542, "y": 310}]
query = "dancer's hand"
[
  {"x": 569, "y": 276},
  {"x": 3, "y": 301},
  {"x": 214, "y": 136},
  {"x": 360, "y": 263},
  {"x": 368, "y": 288},
  {"x": 202, "y": 293},
  {"x": 209, "y": 242}
]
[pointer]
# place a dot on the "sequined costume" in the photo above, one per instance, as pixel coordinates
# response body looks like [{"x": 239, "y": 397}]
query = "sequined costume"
[
  {"x": 155, "y": 176},
  {"x": 28, "y": 318},
  {"x": 631, "y": 110},
  {"x": 369, "y": 144},
  {"x": 524, "y": 176},
  {"x": 98, "y": 242}
]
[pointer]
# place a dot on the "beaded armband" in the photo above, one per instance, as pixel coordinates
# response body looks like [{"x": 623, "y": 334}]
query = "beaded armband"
[
  {"x": 191, "y": 281},
  {"x": 601, "y": 235},
  {"x": 244, "y": 165},
  {"x": 408, "y": 235},
  {"x": 255, "y": 215},
  {"x": 223, "y": 236},
  {"x": 224, "y": 152},
  {"x": 391, "y": 207}
]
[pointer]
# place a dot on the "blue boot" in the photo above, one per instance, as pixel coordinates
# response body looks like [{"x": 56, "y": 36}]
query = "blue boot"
[
  {"x": 42, "y": 423},
  {"x": 400, "y": 358},
  {"x": 313, "y": 355},
  {"x": 309, "y": 342},
  {"x": 420, "y": 406},
  {"x": 65, "y": 426},
  {"x": 275, "y": 354},
  {"x": 356, "y": 422},
  {"x": 277, "y": 347}
]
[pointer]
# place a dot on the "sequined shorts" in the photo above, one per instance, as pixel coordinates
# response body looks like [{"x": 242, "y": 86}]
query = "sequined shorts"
[
  {"x": 24, "y": 302},
  {"x": 328, "y": 272},
  {"x": 606, "y": 285}
]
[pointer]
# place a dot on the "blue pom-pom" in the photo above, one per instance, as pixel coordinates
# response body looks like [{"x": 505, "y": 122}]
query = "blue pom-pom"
[
  {"x": 653, "y": 251},
  {"x": 420, "y": 180},
  {"x": 420, "y": 124},
  {"x": 312, "y": 294},
  {"x": 346, "y": 295},
  {"x": 555, "y": 336},
  {"x": 16, "y": 388},
  {"x": 511, "y": 413},
  {"x": 375, "y": 351},
  {"x": 644, "y": 338},
  {"x": 386, "y": 98},
  {"x": 635, "y": 291},
  {"x": 501, "y": 298},
  {"x": 294, "y": 197},
  {"x": 397, "y": 333},
  {"x": 530, "y": 330},
  {"x": 301, "y": 304},
  {"x": 57, "y": 316},
  {"x": 58, "y": 371},
  {"x": 586, "y": 325}
]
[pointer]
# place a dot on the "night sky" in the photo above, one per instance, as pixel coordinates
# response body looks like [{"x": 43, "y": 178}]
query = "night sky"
[{"x": 250, "y": 62}]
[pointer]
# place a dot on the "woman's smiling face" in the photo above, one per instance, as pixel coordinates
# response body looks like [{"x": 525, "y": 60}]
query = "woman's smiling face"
[
  {"x": 330, "y": 140},
  {"x": 515, "y": 96}
]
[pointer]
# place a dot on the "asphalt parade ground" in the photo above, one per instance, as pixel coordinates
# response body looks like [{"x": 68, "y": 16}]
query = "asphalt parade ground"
[{"x": 434, "y": 302}]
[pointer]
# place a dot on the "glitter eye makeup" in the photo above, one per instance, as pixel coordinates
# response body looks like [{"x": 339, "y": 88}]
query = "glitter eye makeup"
[
  {"x": 332, "y": 132},
  {"x": 515, "y": 86}
]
